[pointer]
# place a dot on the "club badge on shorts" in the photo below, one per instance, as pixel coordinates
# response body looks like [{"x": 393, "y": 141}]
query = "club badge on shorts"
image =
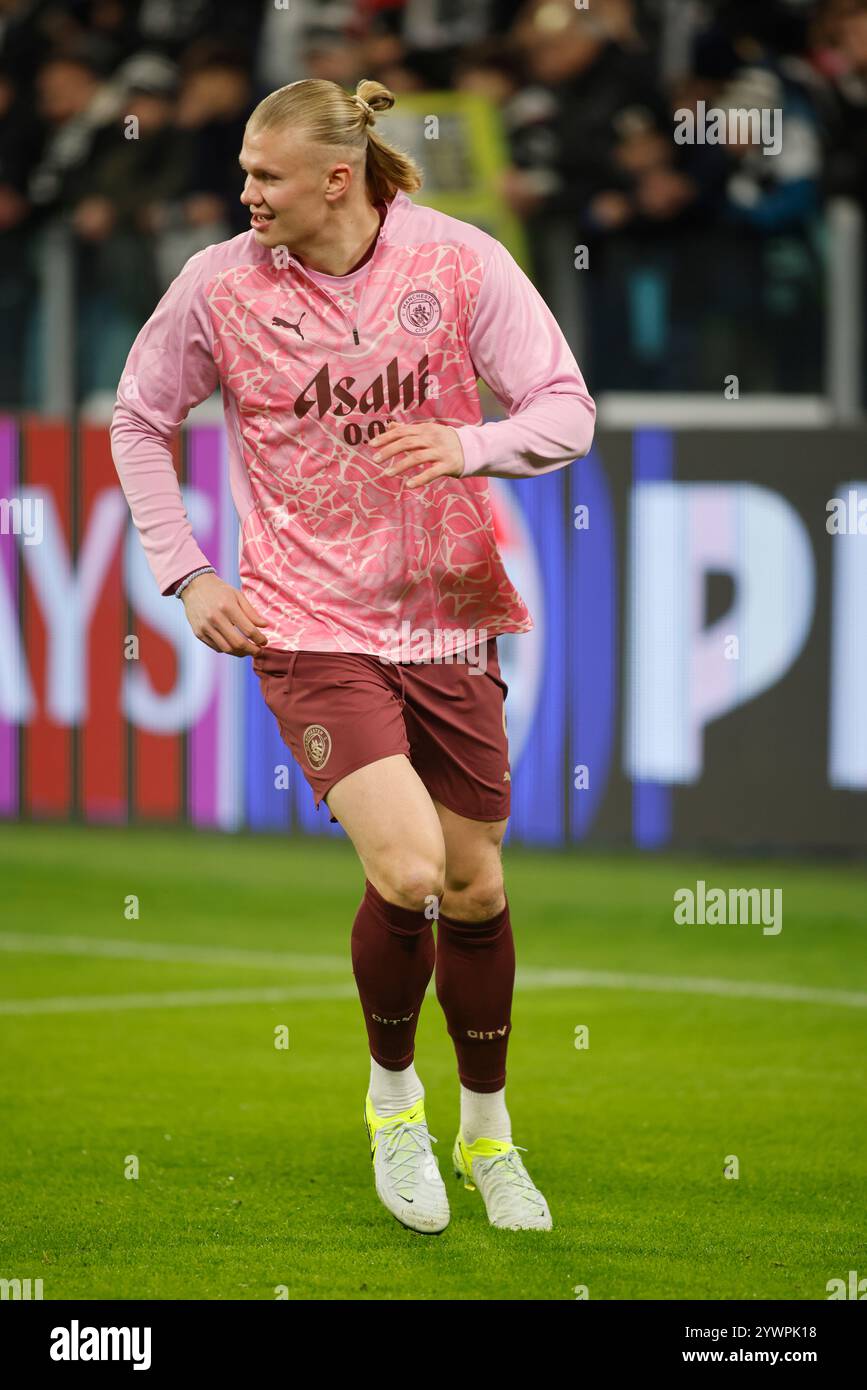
[
  {"x": 317, "y": 745},
  {"x": 419, "y": 312}
]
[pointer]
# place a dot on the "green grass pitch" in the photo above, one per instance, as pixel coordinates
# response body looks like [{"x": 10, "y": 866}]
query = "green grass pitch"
[{"x": 254, "y": 1172}]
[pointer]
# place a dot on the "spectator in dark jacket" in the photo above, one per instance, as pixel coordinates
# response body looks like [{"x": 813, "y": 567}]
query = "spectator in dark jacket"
[
  {"x": 215, "y": 100},
  {"x": 846, "y": 169},
  {"x": 580, "y": 79}
]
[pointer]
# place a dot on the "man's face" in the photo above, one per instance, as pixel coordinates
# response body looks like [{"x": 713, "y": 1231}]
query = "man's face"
[
  {"x": 285, "y": 187},
  {"x": 855, "y": 40},
  {"x": 64, "y": 90}
]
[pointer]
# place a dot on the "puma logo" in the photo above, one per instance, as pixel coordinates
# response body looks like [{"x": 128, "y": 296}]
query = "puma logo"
[{"x": 296, "y": 327}]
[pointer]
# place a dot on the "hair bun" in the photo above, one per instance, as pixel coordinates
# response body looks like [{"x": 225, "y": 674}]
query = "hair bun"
[{"x": 378, "y": 98}]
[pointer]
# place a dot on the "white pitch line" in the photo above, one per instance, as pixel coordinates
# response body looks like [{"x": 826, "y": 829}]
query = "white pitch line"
[
  {"x": 527, "y": 979},
  {"x": 166, "y": 951},
  {"x": 686, "y": 984},
  {"x": 173, "y": 999}
]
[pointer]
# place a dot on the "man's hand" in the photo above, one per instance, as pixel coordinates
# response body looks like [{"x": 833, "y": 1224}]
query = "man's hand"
[
  {"x": 94, "y": 218},
  {"x": 519, "y": 190},
  {"x": 438, "y": 445},
  {"x": 611, "y": 209},
  {"x": 221, "y": 617}
]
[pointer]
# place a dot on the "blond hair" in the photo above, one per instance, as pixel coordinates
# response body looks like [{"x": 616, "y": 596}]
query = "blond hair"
[{"x": 329, "y": 115}]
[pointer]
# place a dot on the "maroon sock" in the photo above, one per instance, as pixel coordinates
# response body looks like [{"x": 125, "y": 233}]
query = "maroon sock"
[
  {"x": 475, "y": 974},
  {"x": 393, "y": 953}
]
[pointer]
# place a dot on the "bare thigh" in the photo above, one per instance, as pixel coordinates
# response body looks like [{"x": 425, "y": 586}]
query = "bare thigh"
[{"x": 389, "y": 816}]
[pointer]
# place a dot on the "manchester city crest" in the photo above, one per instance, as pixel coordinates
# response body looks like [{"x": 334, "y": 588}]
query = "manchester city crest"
[
  {"x": 419, "y": 312},
  {"x": 317, "y": 745}
]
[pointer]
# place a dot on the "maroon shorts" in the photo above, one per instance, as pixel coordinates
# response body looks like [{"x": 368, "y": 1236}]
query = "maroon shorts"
[{"x": 339, "y": 711}]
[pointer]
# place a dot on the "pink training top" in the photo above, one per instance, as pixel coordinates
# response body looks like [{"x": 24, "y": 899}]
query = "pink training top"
[{"x": 311, "y": 368}]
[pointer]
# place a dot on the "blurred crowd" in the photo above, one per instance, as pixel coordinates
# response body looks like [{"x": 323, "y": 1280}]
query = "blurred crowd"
[{"x": 586, "y": 90}]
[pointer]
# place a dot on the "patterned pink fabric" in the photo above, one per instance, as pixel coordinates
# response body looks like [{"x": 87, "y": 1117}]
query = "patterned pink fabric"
[{"x": 333, "y": 552}]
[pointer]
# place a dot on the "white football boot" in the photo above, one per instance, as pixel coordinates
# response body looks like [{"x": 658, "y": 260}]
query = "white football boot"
[
  {"x": 407, "y": 1176},
  {"x": 512, "y": 1200}
]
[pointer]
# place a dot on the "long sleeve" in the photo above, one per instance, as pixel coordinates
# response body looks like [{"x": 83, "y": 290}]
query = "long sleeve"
[
  {"x": 170, "y": 368},
  {"x": 518, "y": 348}
]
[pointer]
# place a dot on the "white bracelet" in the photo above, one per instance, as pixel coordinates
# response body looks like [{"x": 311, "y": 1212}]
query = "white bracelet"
[{"x": 206, "y": 569}]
